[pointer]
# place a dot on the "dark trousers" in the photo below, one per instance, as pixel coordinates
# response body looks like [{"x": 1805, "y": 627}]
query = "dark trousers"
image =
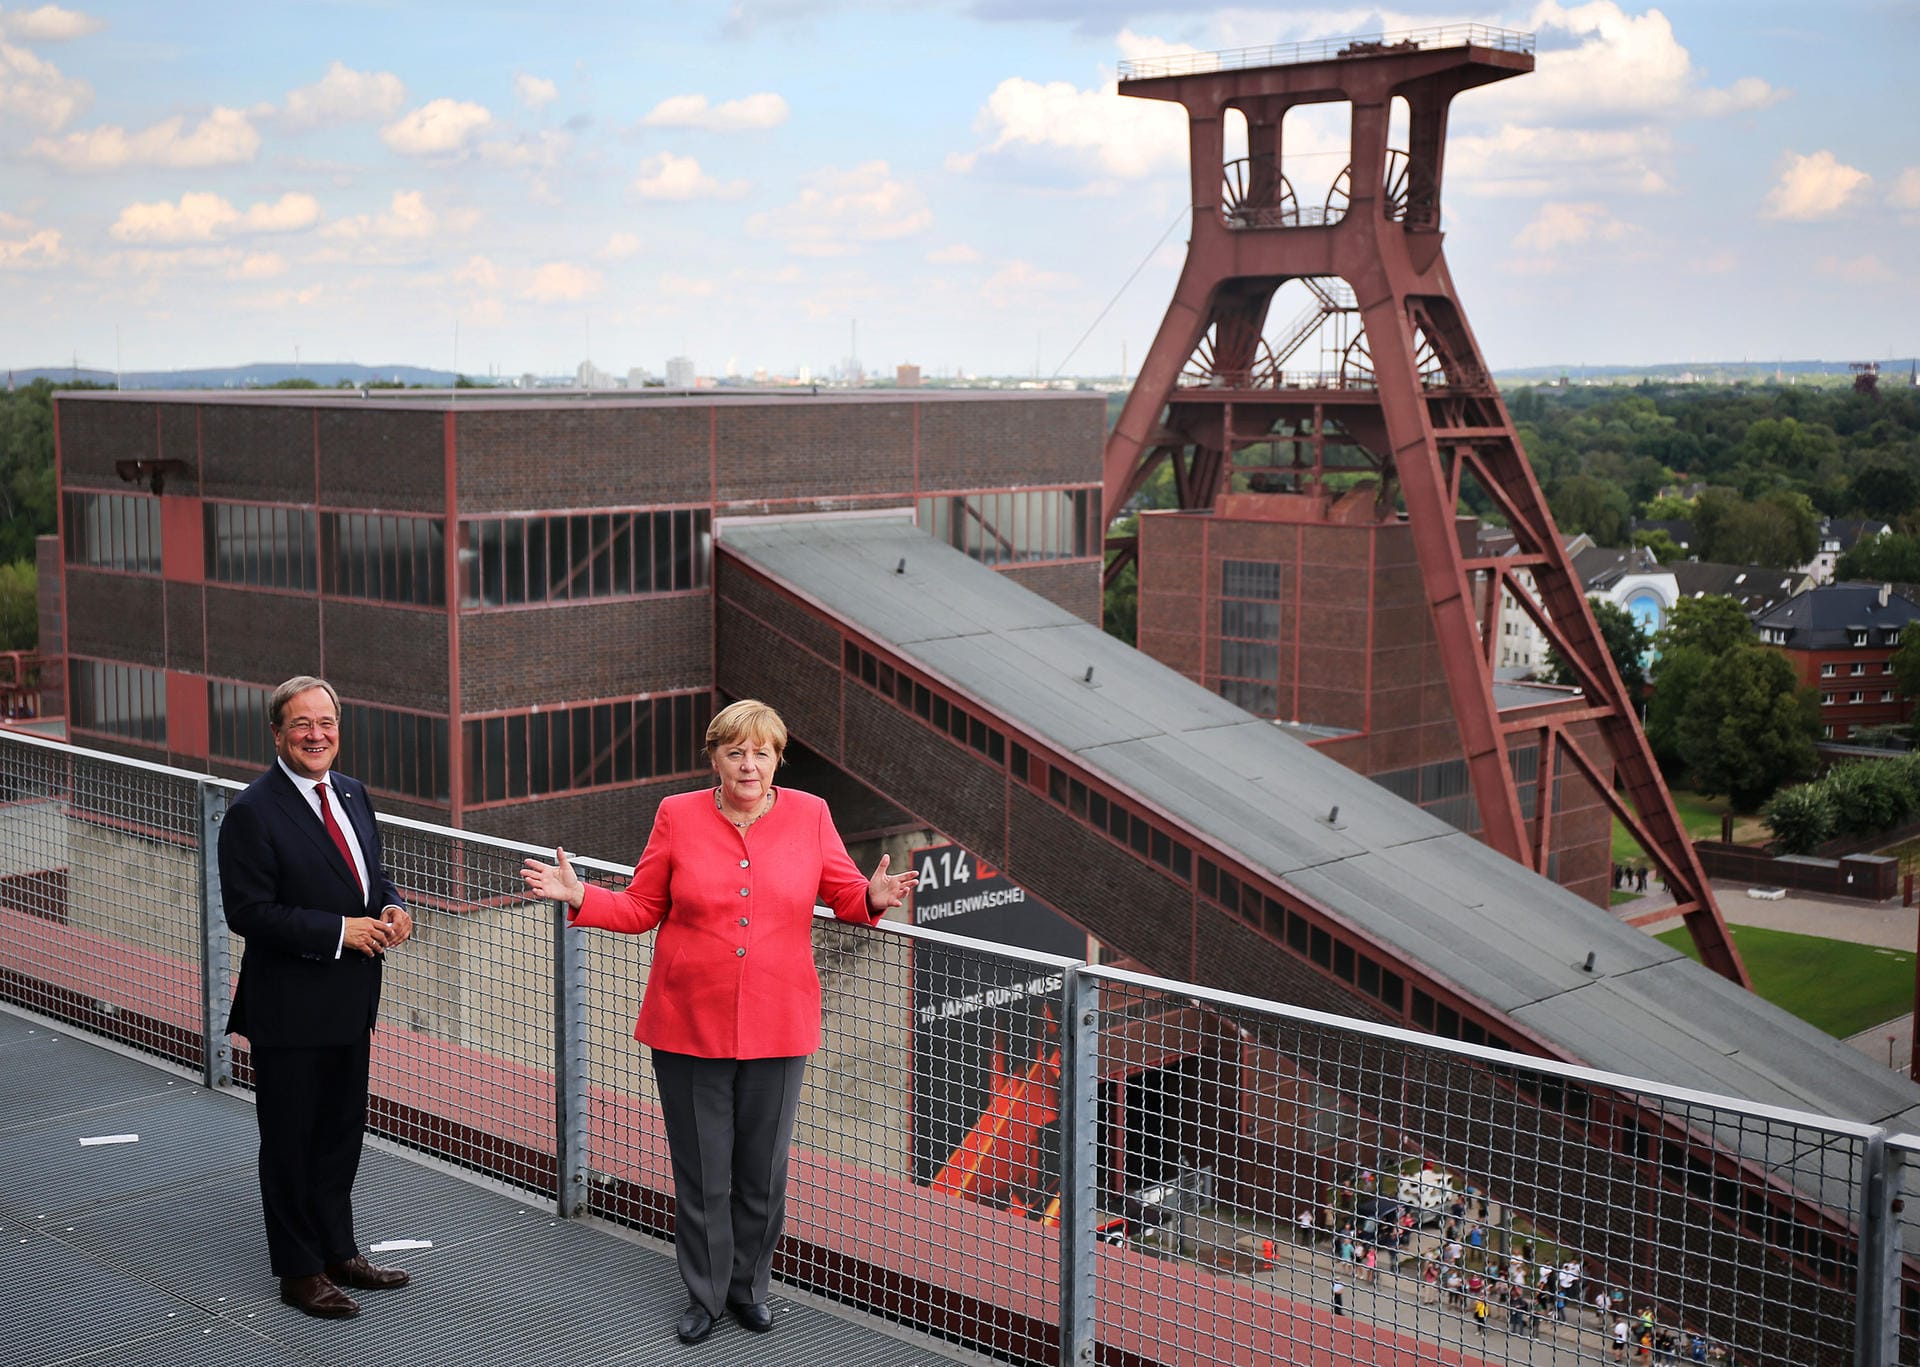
[
  {"x": 729, "y": 1128},
  {"x": 311, "y": 1106}
]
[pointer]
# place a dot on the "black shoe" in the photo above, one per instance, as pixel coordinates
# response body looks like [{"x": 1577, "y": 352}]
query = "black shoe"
[
  {"x": 753, "y": 1316},
  {"x": 695, "y": 1324}
]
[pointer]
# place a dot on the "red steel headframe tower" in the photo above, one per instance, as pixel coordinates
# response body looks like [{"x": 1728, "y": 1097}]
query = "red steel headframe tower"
[{"x": 1408, "y": 401}]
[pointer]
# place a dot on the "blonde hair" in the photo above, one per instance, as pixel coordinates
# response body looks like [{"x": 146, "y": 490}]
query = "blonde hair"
[{"x": 748, "y": 719}]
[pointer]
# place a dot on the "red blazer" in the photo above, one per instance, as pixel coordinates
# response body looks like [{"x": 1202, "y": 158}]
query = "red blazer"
[{"x": 733, "y": 973}]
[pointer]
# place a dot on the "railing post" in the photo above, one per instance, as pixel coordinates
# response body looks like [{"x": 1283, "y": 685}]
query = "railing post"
[
  {"x": 1079, "y": 1162},
  {"x": 1876, "y": 1301},
  {"x": 216, "y": 1054},
  {"x": 569, "y": 1067}
]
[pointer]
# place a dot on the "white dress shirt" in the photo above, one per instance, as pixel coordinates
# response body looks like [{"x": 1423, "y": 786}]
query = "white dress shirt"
[{"x": 311, "y": 790}]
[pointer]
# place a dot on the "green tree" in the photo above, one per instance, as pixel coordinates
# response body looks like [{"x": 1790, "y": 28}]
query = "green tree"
[
  {"x": 1890, "y": 559},
  {"x": 1586, "y": 503},
  {"x": 1801, "y": 818},
  {"x": 19, "y": 606},
  {"x": 26, "y": 469},
  {"x": 1676, "y": 673},
  {"x": 1748, "y": 726},
  {"x": 1626, "y": 642},
  {"x": 1885, "y": 490},
  {"x": 1714, "y": 624},
  {"x": 1664, "y": 549},
  {"x": 1906, "y": 661},
  {"x": 1780, "y": 528}
]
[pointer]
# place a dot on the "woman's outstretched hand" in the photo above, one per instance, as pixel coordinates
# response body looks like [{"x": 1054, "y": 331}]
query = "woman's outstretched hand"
[
  {"x": 886, "y": 890},
  {"x": 557, "y": 882}
]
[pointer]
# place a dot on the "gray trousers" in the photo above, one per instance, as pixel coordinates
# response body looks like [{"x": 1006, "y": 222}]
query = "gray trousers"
[{"x": 729, "y": 1128}]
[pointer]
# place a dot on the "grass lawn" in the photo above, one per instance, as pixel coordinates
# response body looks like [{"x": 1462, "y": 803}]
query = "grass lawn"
[
  {"x": 1841, "y": 987},
  {"x": 1701, "y": 817},
  {"x": 1616, "y": 897}
]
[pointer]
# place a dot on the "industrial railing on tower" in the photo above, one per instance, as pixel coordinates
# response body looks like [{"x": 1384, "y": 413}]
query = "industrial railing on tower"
[
  {"x": 1325, "y": 49},
  {"x": 1044, "y": 1160}
]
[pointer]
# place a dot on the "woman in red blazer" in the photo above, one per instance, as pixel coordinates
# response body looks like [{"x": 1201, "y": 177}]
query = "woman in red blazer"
[{"x": 730, "y": 877}]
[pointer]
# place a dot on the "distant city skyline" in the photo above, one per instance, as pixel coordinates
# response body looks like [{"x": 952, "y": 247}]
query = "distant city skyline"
[{"x": 795, "y": 185}]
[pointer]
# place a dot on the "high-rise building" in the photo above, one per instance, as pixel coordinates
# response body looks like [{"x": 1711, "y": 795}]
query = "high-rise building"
[{"x": 680, "y": 372}]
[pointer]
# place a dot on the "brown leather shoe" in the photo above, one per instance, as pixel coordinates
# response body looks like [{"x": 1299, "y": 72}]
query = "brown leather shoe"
[
  {"x": 362, "y": 1275},
  {"x": 318, "y": 1297}
]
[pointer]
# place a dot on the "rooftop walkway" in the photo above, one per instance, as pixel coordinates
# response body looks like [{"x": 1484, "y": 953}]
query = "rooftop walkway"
[{"x": 153, "y": 1253}]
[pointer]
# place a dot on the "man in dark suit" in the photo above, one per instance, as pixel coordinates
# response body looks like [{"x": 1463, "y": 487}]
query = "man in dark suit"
[{"x": 302, "y": 881}]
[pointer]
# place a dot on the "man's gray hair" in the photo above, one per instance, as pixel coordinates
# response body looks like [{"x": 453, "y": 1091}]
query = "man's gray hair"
[{"x": 291, "y": 689}]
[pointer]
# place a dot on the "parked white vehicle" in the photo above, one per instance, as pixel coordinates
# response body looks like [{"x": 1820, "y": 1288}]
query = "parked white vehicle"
[{"x": 1427, "y": 1193}]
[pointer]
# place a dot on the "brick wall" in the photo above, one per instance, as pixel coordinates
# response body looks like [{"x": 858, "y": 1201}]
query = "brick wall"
[
  {"x": 96, "y": 433},
  {"x": 379, "y": 653},
  {"x": 570, "y": 653},
  {"x": 1050, "y": 439},
  {"x": 611, "y": 825},
  {"x": 254, "y": 452},
  {"x": 382, "y": 459},
  {"x": 116, "y": 617},
  {"x": 186, "y": 627},
  {"x": 261, "y": 637},
  {"x": 516, "y": 459},
  {"x": 1075, "y": 586},
  {"x": 790, "y": 450}
]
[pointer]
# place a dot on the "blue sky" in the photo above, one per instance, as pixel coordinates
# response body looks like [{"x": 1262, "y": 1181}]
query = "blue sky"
[{"x": 956, "y": 185}]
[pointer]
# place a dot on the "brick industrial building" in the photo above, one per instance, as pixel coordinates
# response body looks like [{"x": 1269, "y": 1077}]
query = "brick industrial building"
[
  {"x": 1312, "y": 611},
  {"x": 513, "y": 595}
]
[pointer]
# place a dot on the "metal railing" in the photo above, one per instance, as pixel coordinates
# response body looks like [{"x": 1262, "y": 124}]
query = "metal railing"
[
  {"x": 1326, "y": 49},
  {"x": 1044, "y": 1160}
]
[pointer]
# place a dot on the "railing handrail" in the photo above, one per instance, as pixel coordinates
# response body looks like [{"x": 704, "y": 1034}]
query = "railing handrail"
[
  {"x": 1324, "y": 49},
  {"x": 1439, "y": 1044}
]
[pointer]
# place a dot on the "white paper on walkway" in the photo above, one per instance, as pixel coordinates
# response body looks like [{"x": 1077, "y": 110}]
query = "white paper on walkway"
[
  {"x": 395, "y": 1245},
  {"x": 111, "y": 1139}
]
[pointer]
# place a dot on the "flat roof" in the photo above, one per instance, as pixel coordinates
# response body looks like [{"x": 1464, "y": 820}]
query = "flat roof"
[
  {"x": 1499, "y": 932},
  {"x": 497, "y": 400}
]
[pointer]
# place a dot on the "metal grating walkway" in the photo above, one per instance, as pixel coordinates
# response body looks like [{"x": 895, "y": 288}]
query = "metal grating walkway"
[{"x": 152, "y": 1254}]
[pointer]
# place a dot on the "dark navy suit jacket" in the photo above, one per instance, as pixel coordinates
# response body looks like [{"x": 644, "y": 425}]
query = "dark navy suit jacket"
[{"x": 286, "y": 887}]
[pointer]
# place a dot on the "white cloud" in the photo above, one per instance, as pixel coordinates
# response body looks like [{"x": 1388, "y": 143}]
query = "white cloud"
[
  {"x": 839, "y": 209},
  {"x": 224, "y": 138},
  {"x": 479, "y": 272},
  {"x": 535, "y": 92},
  {"x": 438, "y": 127},
  {"x": 619, "y": 247},
  {"x": 562, "y": 282},
  {"x": 48, "y": 24},
  {"x": 259, "y": 266},
  {"x": 674, "y": 286},
  {"x": 1905, "y": 194},
  {"x": 1015, "y": 285},
  {"x": 1599, "y": 112},
  {"x": 958, "y": 254},
  {"x": 680, "y": 178},
  {"x": 1814, "y": 187},
  {"x": 1866, "y": 269},
  {"x": 34, "y": 91},
  {"x": 407, "y": 217},
  {"x": 344, "y": 95},
  {"x": 1559, "y": 224},
  {"x": 541, "y": 150},
  {"x": 200, "y": 217},
  {"x": 764, "y": 110},
  {"x": 1599, "y": 62},
  {"x": 31, "y": 249},
  {"x": 1125, "y": 138}
]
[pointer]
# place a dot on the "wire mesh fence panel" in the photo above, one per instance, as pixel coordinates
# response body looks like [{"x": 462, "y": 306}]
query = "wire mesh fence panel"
[
  {"x": 1903, "y": 1154},
  {"x": 927, "y": 1160},
  {"x": 100, "y": 896},
  {"x": 1285, "y": 1185},
  {"x": 463, "y": 1061}
]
